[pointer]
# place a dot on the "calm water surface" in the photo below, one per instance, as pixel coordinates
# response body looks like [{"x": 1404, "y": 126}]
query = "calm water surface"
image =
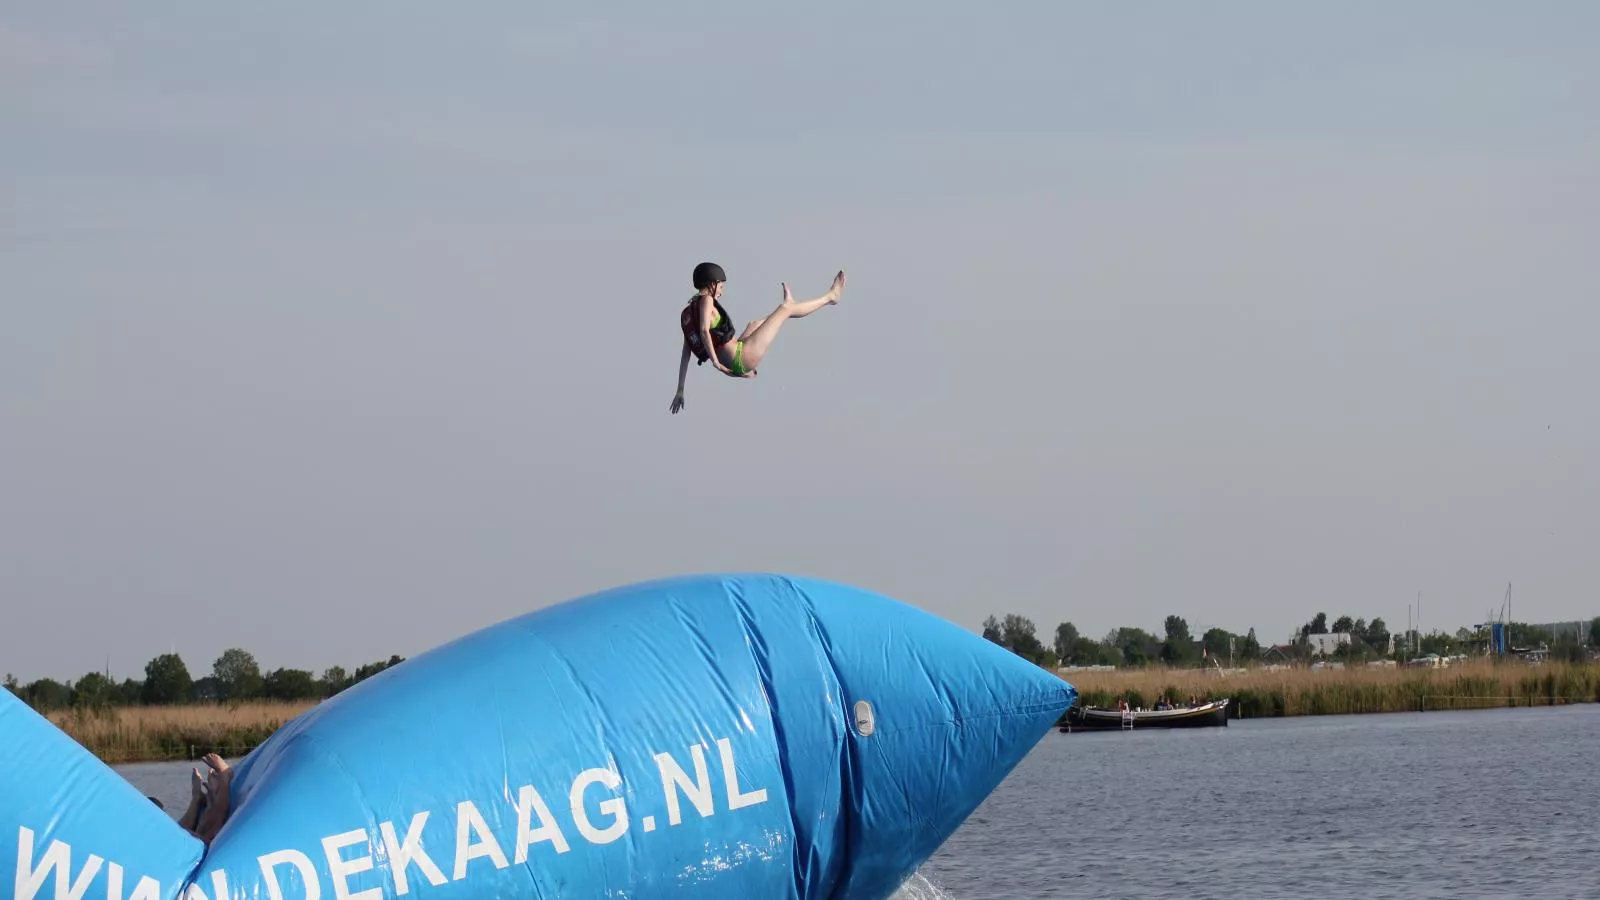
[
  {"x": 1495, "y": 803},
  {"x": 1499, "y": 803}
]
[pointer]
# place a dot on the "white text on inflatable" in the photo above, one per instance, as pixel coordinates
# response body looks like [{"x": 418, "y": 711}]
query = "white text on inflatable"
[
  {"x": 57, "y": 860},
  {"x": 596, "y": 813},
  {"x": 476, "y": 843}
]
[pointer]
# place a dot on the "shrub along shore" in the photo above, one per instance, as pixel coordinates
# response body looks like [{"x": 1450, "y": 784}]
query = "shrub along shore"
[
  {"x": 154, "y": 733},
  {"x": 1263, "y": 693}
]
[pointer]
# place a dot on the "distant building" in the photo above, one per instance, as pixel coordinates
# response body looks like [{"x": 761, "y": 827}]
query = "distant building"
[
  {"x": 1278, "y": 655},
  {"x": 1325, "y": 644}
]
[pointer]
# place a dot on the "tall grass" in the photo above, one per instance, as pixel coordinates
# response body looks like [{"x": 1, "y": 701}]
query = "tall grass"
[
  {"x": 1475, "y": 684},
  {"x": 149, "y": 733}
]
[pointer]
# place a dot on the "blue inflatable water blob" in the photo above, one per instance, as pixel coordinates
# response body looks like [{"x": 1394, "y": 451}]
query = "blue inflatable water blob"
[{"x": 716, "y": 736}]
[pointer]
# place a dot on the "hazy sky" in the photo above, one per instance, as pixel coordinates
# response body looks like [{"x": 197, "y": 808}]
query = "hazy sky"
[{"x": 333, "y": 331}]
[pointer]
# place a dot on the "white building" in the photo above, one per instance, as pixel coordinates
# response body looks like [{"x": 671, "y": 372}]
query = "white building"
[{"x": 1325, "y": 644}]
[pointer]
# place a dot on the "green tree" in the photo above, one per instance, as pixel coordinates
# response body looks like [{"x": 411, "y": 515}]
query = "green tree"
[
  {"x": 1109, "y": 654},
  {"x": 1177, "y": 628},
  {"x": 47, "y": 694},
  {"x": 1250, "y": 650},
  {"x": 93, "y": 691},
  {"x": 1594, "y": 632},
  {"x": 1179, "y": 648},
  {"x": 334, "y": 680},
  {"x": 1344, "y": 625},
  {"x": 1066, "y": 641},
  {"x": 166, "y": 681},
  {"x": 1318, "y": 624},
  {"x": 991, "y": 631},
  {"x": 16, "y": 689},
  {"x": 1090, "y": 652},
  {"x": 207, "y": 690},
  {"x": 370, "y": 669},
  {"x": 1523, "y": 636},
  {"x": 1440, "y": 643},
  {"x": 1136, "y": 645},
  {"x": 237, "y": 674},
  {"x": 290, "y": 685},
  {"x": 129, "y": 693},
  {"x": 1018, "y": 633},
  {"x": 1356, "y": 651},
  {"x": 1377, "y": 636},
  {"x": 1217, "y": 642}
]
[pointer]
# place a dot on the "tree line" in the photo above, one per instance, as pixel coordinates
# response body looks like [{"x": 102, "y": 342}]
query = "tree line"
[
  {"x": 235, "y": 678},
  {"x": 1175, "y": 646},
  {"x": 1123, "y": 646}
]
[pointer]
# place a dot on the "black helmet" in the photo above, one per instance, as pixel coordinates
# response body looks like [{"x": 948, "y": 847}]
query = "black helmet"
[{"x": 706, "y": 274}]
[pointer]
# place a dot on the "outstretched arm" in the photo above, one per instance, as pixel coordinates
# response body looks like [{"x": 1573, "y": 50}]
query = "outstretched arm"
[{"x": 683, "y": 372}]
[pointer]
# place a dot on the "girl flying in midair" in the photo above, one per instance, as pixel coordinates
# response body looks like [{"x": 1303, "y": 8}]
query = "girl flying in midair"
[{"x": 705, "y": 324}]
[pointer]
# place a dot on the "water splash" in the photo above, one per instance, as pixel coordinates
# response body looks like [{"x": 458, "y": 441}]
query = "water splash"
[{"x": 918, "y": 887}]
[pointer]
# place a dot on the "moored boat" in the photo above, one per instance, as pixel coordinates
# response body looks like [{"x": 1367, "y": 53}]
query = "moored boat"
[{"x": 1206, "y": 715}]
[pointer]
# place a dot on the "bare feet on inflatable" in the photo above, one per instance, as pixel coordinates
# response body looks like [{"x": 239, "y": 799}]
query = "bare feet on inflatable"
[
  {"x": 211, "y": 792},
  {"x": 220, "y": 771}
]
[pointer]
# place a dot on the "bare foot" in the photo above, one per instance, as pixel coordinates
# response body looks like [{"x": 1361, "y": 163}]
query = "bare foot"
[
  {"x": 837, "y": 289},
  {"x": 220, "y": 772}
]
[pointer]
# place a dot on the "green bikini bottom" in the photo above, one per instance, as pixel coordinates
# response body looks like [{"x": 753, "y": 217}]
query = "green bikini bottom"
[{"x": 738, "y": 367}]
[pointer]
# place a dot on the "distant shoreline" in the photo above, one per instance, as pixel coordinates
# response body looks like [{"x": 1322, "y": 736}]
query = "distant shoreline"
[
  {"x": 137, "y": 734},
  {"x": 1263, "y": 693}
]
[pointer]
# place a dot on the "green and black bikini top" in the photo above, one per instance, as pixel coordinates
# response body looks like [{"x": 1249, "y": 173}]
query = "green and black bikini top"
[{"x": 721, "y": 328}]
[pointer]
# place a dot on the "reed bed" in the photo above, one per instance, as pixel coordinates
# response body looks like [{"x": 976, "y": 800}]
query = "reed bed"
[
  {"x": 1258, "y": 693},
  {"x": 151, "y": 733}
]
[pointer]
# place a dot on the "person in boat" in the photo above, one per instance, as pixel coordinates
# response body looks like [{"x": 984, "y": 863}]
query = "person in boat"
[{"x": 708, "y": 329}]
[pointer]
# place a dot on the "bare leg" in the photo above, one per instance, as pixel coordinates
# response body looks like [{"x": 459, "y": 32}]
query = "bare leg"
[
  {"x": 762, "y": 336},
  {"x": 807, "y": 307},
  {"x": 797, "y": 311},
  {"x": 803, "y": 308}
]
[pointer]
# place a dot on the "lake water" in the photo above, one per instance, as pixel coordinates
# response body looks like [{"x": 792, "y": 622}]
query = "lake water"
[{"x": 1496, "y": 803}]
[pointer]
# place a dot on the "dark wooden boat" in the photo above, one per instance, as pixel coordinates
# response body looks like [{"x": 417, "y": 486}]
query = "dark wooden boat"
[{"x": 1087, "y": 718}]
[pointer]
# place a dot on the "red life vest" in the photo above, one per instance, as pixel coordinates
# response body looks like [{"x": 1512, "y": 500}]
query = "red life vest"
[{"x": 721, "y": 332}]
